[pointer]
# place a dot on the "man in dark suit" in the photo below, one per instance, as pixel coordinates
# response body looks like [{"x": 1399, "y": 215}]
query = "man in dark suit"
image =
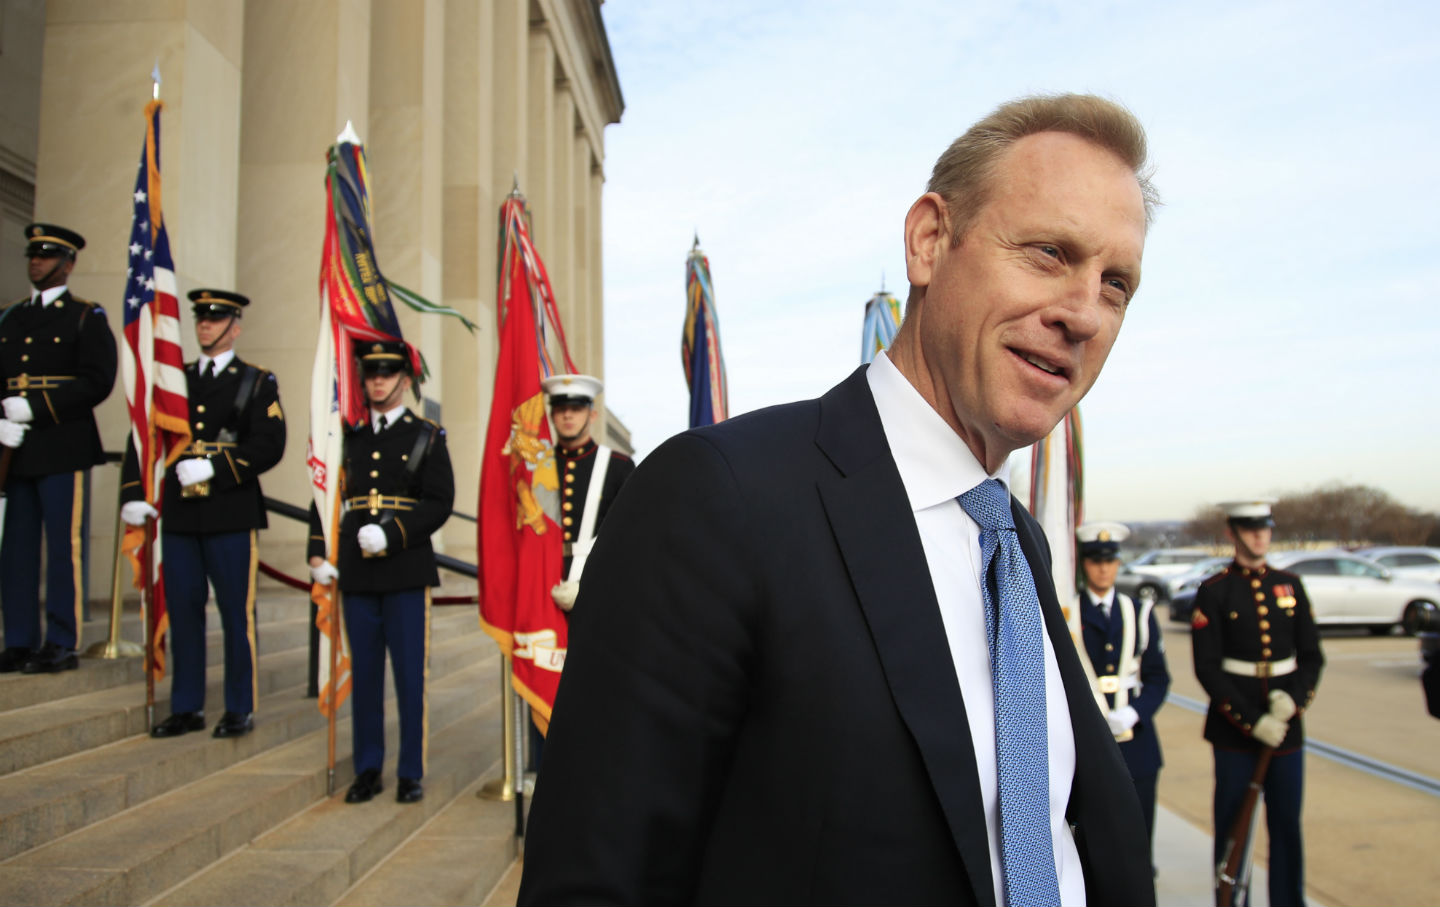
[
  {"x": 794, "y": 669},
  {"x": 398, "y": 491},
  {"x": 213, "y": 508},
  {"x": 57, "y": 357},
  {"x": 1124, "y": 654}
]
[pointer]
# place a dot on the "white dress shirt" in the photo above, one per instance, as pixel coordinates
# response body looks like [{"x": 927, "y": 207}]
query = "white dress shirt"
[
  {"x": 220, "y": 361},
  {"x": 1103, "y": 602},
  {"x": 48, "y": 296},
  {"x": 936, "y": 467},
  {"x": 391, "y": 416}
]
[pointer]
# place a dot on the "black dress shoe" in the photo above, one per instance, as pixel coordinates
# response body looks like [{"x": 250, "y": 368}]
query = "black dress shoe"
[
  {"x": 179, "y": 723},
  {"x": 13, "y": 659},
  {"x": 366, "y": 785},
  {"x": 408, "y": 790},
  {"x": 234, "y": 724},
  {"x": 51, "y": 659}
]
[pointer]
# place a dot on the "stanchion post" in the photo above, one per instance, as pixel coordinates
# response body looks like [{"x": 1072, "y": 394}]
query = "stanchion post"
[{"x": 505, "y": 788}]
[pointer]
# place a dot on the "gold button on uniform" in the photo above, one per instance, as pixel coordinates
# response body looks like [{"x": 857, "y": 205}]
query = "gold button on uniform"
[
  {"x": 374, "y": 473},
  {"x": 1262, "y": 610},
  {"x": 24, "y": 358},
  {"x": 1264, "y": 625},
  {"x": 570, "y": 465},
  {"x": 375, "y": 455},
  {"x": 567, "y": 521},
  {"x": 567, "y": 536},
  {"x": 200, "y": 408},
  {"x": 1254, "y": 584},
  {"x": 1109, "y": 647},
  {"x": 1265, "y": 638},
  {"x": 1265, "y": 652},
  {"x": 569, "y": 492},
  {"x": 1259, "y": 596},
  {"x": 28, "y": 339},
  {"x": 568, "y": 506},
  {"x": 199, "y": 426},
  {"x": 1234, "y": 615}
]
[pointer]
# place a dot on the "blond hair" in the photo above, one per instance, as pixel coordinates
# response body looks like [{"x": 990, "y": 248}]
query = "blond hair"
[{"x": 963, "y": 174}]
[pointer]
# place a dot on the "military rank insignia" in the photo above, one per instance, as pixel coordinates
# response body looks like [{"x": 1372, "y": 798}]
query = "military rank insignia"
[{"x": 273, "y": 411}]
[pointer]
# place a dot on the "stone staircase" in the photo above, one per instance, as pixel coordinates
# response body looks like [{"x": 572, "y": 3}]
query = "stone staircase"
[{"x": 95, "y": 811}]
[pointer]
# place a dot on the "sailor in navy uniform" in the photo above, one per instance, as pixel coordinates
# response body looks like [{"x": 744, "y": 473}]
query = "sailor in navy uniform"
[
  {"x": 213, "y": 509},
  {"x": 398, "y": 489},
  {"x": 1257, "y": 654},
  {"x": 1124, "y": 658},
  {"x": 57, "y": 359},
  {"x": 590, "y": 474}
]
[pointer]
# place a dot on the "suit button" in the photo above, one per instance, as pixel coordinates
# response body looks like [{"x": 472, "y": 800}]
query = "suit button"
[{"x": 375, "y": 455}]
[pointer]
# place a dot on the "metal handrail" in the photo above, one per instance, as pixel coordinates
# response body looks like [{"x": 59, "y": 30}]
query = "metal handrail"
[{"x": 444, "y": 561}]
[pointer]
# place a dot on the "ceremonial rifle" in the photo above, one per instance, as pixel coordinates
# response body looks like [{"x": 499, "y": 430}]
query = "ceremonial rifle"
[{"x": 1232, "y": 873}]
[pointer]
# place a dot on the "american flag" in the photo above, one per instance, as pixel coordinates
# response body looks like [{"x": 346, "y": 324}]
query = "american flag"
[{"x": 152, "y": 367}]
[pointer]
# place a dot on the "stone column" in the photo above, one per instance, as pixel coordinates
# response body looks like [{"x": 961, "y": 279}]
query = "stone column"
[
  {"x": 561, "y": 254},
  {"x": 307, "y": 72},
  {"x": 537, "y": 179},
  {"x": 95, "y": 82}
]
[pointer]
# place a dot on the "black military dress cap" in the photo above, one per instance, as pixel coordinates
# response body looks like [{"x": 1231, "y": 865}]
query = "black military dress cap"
[
  {"x": 383, "y": 357},
  {"x": 51, "y": 241},
  {"x": 217, "y": 303}
]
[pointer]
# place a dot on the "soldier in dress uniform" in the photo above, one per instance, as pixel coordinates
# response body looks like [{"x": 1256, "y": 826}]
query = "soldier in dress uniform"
[
  {"x": 213, "y": 509},
  {"x": 57, "y": 358},
  {"x": 590, "y": 474},
  {"x": 1124, "y": 657},
  {"x": 1257, "y": 654},
  {"x": 397, "y": 490}
]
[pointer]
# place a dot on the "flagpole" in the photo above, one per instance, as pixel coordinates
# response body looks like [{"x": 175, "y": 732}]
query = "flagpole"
[
  {"x": 146, "y": 599},
  {"x": 115, "y": 647},
  {"x": 334, "y": 687},
  {"x": 504, "y": 787}
]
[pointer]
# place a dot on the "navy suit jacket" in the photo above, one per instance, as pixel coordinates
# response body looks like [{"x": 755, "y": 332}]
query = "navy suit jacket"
[{"x": 759, "y": 704}]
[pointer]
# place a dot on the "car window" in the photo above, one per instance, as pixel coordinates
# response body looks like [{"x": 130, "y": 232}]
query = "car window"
[
  {"x": 1411, "y": 560},
  {"x": 1391, "y": 560},
  {"x": 1357, "y": 567},
  {"x": 1317, "y": 566}
]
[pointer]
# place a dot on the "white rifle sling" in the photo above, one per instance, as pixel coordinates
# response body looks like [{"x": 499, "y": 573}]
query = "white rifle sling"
[{"x": 580, "y": 550}]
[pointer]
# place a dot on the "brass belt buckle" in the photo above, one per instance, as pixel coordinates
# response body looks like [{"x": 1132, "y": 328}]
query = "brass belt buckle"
[
  {"x": 1109, "y": 683},
  {"x": 22, "y": 382},
  {"x": 1262, "y": 668},
  {"x": 198, "y": 490},
  {"x": 372, "y": 501}
]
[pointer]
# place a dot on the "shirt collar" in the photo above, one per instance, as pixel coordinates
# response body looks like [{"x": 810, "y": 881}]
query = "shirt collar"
[
  {"x": 1103, "y": 602},
  {"x": 50, "y": 295},
  {"x": 220, "y": 361},
  {"x": 392, "y": 415},
  {"x": 935, "y": 464}
]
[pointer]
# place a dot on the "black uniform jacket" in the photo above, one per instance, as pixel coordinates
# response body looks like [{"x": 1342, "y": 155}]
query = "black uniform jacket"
[
  {"x": 1253, "y": 615},
  {"x": 759, "y": 704},
  {"x": 1103, "y": 638},
  {"x": 257, "y": 427},
  {"x": 68, "y": 339},
  {"x": 380, "y": 463},
  {"x": 576, "y": 466}
]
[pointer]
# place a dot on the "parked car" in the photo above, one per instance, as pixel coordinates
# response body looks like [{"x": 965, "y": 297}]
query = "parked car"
[
  {"x": 1344, "y": 590},
  {"x": 1178, "y": 585},
  {"x": 1143, "y": 578},
  {"x": 1412, "y": 562}
]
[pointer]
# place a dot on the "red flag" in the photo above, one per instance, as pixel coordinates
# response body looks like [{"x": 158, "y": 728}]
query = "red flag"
[{"x": 520, "y": 547}]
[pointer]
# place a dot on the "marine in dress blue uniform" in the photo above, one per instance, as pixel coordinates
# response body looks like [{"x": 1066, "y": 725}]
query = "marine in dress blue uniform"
[
  {"x": 213, "y": 509},
  {"x": 398, "y": 489},
  {"x": 1257, "y": 654},
  {"x": 57, "y": 359},
  {"x": 1124, "y": 655}
]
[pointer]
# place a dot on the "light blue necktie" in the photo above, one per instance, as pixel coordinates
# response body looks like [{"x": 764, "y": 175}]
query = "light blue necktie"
[{"x": 1014, "y": 631}]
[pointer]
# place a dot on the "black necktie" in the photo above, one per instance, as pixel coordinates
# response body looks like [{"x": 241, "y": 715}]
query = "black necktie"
[{"x": 380, "y": 424}]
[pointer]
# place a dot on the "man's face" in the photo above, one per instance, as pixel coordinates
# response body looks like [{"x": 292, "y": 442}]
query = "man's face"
[
  {"x": 1254, "y": 542},
  {"x": 44, "y": 273},
  {"x": 216, "y": 335},
  {"x": 380, "y": 388},
  {"x": 572, "y": 422},
  {"x": 1017, "y": 320},
  {"x": 1100, "y": 574}
]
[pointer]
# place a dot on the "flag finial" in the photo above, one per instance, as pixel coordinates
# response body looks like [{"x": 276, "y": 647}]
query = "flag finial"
[
  {"x": 348, "y": 135},
  {"x": 155, "y": 77}
]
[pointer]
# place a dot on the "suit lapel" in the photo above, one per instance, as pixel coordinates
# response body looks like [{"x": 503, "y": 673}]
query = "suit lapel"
[{"x": 875, "y": 529}]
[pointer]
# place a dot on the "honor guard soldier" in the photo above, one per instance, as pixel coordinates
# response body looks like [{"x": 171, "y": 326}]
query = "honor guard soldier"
[
  {"x": 213, "y": 508},
  {"x": 1257, "y": 654},
  {"x": 397, "y": 490},
  {"x": 57, "y": 358},
  {"x": 1124, "y": 657},
  {"x": 590, "y": 474}
]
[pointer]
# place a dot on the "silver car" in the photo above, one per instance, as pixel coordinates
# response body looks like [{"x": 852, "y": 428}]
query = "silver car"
[
  {"x": 1412, "y": 562},
  {"x": 1143, "y": 579},
  {"x": 1346, "y": 589}
]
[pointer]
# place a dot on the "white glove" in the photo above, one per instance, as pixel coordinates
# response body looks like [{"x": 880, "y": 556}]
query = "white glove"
[
  {"x": 17, "y": 409},
  {"x": 325, "y": 574},
  {"x": 12, "y": 433},
  {"x": 372, "y": 539},
  {"x": 135, "y": 512},
  {"x": 1269, "y": 730},
  {"x": 1282, "y": 707},
  {"x": 1122, "y": 720},
  {"x": 564, "y": 593},
  {"x": 194, "y": 470}
]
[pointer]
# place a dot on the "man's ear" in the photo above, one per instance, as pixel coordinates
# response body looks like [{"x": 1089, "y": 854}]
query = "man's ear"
[{"x": 926, "y": 235}]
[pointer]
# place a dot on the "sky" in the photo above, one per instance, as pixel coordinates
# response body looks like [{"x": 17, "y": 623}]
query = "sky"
[{"x": 1286, "y": 333}]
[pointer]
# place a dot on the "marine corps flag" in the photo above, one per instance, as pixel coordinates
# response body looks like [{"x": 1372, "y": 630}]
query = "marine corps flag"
[{"x": 520, "y": 547}]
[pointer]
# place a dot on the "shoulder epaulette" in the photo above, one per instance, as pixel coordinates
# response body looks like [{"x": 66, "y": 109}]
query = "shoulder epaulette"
[{"x": 1285, "y": 573}]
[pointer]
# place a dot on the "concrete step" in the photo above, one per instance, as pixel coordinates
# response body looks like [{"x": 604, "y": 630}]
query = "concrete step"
[
  {"x": 330, "y": 847},
  {"x": 277, "y": 628},
  {"x": 42, "y": 803},
  {"x": 143, "y": 852}
]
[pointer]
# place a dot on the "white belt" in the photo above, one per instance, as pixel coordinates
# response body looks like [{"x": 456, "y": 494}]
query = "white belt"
[
  {"x": 1113, "y": 683},
  {"x": 1259, "y": 668}
]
